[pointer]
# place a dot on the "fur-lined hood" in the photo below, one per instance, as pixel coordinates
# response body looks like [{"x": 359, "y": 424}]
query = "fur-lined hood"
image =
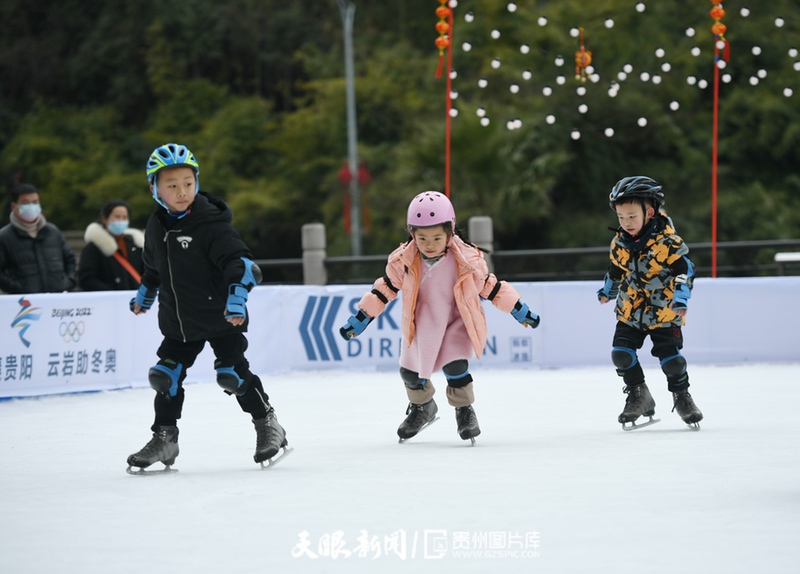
[{"x": 107, "y": 243}]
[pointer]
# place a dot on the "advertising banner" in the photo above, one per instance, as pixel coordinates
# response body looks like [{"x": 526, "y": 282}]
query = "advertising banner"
[{"x": 74, "y": 342}]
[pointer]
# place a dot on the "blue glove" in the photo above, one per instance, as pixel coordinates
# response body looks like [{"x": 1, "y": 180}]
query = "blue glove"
[
  {"x": 144, "y": 297},
  {"x": 237, "y": 297},
  {"x": 610, "y": 289},
  {"x": 355, "y": 325},
  {"x": 525, "y": 316},
  {"x": 682, "y": 293}
]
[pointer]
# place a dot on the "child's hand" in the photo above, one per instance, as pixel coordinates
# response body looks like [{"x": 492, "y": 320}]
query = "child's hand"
[
  {"x": 235, "y": 310},
  {"x": 681, "y": 298},
  {"x": 525, "y": 316},
  {"x": 609, "y": 291},
  {"x": 355, "y": 325},
  {"x": 679, "y": 312},
  {"x": 144, "y": 300}
]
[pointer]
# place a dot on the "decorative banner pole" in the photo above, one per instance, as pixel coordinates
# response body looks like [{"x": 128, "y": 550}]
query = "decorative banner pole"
[
  {"x": 720, "y": 43},
  {"x": 445, "y": 42}
]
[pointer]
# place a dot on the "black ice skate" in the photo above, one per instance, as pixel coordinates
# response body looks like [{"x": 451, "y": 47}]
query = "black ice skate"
[
  {"x": 270, "y": 439},
  {"x": 687, "y": 410},
  {"x": 639, "y": 403},
  {"x": 467, "y": 422},
  {"x": 163, "y": 447},
  {"x": 419, "y": 417}
]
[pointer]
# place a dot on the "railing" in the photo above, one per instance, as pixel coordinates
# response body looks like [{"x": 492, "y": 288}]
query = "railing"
[{"x": 734, "y": 259}]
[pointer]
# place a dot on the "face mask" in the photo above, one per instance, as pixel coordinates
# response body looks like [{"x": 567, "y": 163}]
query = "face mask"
[
  {"x": 29, "y": 211},
  {"x": 117, "y": 227}
]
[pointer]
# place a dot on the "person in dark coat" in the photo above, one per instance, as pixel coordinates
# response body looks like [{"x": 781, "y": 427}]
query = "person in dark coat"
[
  {"x": 201, "y": 271},
  {"x": 111, "y": 260},
  {"x": 34, "y": 255}
]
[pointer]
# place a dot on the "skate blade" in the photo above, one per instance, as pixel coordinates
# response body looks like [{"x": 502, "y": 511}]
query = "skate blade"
[
  {"x": 422, "y": 428},
  {"x": 634, "y": 426},
  {"x": 269, "y": 463},
  {"x": 693, "y": 426},
  {"x": 142, "y": 472}
]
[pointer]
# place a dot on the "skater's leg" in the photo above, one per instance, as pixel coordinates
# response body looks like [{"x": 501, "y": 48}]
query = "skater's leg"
[
  {"x": 639, "y": 401},
  {"x": 421, "y": 409},
  {"x": 236, "y": 378},
  {"x": 419, "y": 391},
  {"x": 667, "y": 345},
  {"x": 461, "y": 395},
  {"x": 459, "y": 392},
  {"x": 627, "y": 341},
  {"x": 166, "y": 378}
]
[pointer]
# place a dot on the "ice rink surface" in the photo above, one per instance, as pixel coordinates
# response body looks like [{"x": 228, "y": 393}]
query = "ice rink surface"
[{"x": 552, "y": 486}]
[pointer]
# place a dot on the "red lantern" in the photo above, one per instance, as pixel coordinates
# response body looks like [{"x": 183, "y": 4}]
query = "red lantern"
[{"x": 583, "y": 58}]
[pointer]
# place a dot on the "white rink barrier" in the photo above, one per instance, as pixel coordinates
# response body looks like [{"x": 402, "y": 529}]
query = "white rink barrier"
[{"x": 75, "y": 342}]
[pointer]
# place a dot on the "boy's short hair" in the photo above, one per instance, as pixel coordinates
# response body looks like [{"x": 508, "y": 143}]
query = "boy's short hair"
[
  {"x": 20, "y": 190},
  {"x": 642, "y": 201}
]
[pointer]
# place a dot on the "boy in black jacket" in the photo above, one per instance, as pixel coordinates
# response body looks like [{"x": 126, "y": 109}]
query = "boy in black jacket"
[{"x": 202, "y": 272}]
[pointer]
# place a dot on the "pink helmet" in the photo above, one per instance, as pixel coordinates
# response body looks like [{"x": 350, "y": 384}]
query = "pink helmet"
[{"x": 430, "y": 208}]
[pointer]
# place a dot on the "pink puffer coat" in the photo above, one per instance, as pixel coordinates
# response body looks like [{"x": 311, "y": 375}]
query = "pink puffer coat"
[{"x": 474, "y": 282}]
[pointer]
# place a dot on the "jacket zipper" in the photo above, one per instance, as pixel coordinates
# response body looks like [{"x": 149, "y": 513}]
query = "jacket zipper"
[{"x": 172, "y": 284}]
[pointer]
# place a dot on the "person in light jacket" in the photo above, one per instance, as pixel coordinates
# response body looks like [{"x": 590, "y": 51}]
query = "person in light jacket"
[{"x": 444, "y": 279}]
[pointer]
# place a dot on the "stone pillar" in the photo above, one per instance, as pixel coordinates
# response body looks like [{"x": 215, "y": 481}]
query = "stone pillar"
[
  {"x": 481, "y": 233},
  {"x": 314, "y": 254}
]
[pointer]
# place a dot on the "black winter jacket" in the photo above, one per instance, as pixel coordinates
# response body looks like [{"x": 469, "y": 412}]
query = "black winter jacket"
[
  {"x": 41, "y": 264},
  {"x": 192, "y": 265},
  {"x": 99, "y": 270}
]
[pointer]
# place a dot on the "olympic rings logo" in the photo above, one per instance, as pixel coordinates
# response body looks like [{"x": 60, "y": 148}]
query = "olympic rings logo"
[{"x": 71, "y": 331}]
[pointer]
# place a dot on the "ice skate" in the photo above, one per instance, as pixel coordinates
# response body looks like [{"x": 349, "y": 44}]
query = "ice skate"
[
  {"x": 419, "y": 417},
  {"x": 270, "y": 439},
  {"x": 639, "y": 403},
  {"x": 467, "y": 422},
  {"x": 163, "y": 447},
  {"x": 687, "y": 410}
]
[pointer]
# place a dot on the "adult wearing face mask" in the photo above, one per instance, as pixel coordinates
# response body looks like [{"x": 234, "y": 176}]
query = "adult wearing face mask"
[
  {"x": 112, "y": 257},
  {"x": 34, "y": 256}
]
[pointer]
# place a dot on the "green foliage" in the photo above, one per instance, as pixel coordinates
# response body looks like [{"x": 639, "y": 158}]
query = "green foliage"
[{"x": 256, "y": 90}]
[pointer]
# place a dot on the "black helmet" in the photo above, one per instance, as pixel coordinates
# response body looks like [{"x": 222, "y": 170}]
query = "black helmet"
[{"x": 637, "y": 186}]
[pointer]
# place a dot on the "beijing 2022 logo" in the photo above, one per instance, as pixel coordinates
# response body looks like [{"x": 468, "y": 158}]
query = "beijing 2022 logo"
[{"x": 26, "y": 316}]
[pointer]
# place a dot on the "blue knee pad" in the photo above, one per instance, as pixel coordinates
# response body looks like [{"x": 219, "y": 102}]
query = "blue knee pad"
[
  {"x": 623, "y": 358},
  {"x": 165, "y": 376},
  {"x": 457, "y": 373},
  {"x": 674, "y": 366},
  {"x": 230, "y": 381}
]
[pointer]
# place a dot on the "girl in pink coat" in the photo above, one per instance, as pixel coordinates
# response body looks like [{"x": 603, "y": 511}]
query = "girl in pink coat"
[{"x": 443, "y": 279}]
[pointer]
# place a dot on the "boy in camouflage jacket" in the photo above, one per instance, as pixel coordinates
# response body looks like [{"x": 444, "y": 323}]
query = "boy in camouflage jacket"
[{"x": 650, "y": 277}]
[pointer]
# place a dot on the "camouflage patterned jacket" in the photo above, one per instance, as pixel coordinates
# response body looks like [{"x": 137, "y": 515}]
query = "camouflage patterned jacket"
[{"x": 645, "y": 269}]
